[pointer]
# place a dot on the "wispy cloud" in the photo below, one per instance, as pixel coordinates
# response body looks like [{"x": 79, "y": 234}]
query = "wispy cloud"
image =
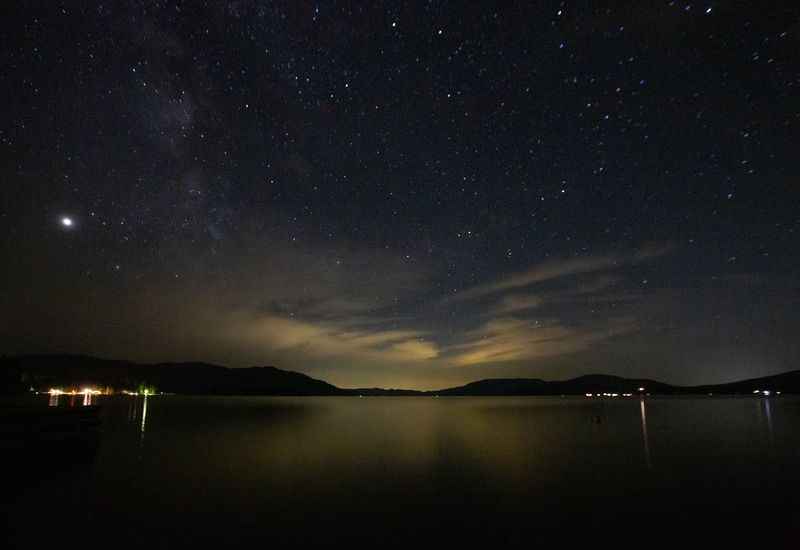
[
  {"x": 561, "y": 268},
  {"x": 339, "y": 305},
  {"x": 511, "y": 339},
  {"x": 536, "y": 313},
  {"x": 327, "y": 340},
  {"x": 514, "y": 303},
  {"x": 546, "y": 271},
  {"x": 518, "y": 303}
]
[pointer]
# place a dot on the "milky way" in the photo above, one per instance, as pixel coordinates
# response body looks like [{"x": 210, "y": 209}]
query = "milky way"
[{"x": 411, "y": 195}]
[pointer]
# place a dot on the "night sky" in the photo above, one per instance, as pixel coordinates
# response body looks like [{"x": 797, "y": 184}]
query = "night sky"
[{"x": 410, "y": 195}]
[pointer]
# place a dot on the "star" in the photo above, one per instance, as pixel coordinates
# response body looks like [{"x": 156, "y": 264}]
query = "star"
[{"x": 397, "y": 166}]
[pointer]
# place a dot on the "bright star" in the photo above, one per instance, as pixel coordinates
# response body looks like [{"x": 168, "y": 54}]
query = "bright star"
[{"x": 66, "y": 221}]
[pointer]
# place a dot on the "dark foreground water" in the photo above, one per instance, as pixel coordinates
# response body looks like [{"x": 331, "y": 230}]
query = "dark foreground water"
[{"x": 394, "y": 472}]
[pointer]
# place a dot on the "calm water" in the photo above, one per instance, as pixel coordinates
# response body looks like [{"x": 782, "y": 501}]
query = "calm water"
[{"x": 177, "y": 471}]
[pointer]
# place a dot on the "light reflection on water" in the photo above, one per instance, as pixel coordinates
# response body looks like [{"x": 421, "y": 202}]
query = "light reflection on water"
[
  {"x": 144, "y": 415},
  {"x": 768, "y": 413},
  {"x": 347, "y": 463},
  {"x": 507, "y": 445},
  {"x": 645, "y": 438}
]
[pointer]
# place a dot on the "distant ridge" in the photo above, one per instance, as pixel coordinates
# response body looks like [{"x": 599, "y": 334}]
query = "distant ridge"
[
  {"x": 592, "y": 383},
  {"x": 19, "y": 373},
  {"x": 44, "y": 371}
]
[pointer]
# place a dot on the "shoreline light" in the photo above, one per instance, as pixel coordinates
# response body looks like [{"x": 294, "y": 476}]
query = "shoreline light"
[{"x": 90, "y": 390}]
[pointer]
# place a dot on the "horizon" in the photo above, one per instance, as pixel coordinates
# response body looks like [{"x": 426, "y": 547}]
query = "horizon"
[
  {"x": 411, "y": 196},
  {"x": 365, "y": 387}
]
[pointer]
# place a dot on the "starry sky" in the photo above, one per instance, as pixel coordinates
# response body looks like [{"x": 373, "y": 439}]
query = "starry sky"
[{"x": 405, "y": 194}]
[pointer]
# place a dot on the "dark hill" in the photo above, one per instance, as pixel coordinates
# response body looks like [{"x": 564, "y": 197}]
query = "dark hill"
[
  {"x": 17, "y": 374},
  {"x": 594, "y": 383},
  {"x": 787, "y": 382},
  {"x": 500, "y": 386},
  {"x": 44, "y": 371}
]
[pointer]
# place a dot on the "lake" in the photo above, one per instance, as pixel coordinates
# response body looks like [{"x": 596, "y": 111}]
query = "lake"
[{"x": 381, "y": 471}]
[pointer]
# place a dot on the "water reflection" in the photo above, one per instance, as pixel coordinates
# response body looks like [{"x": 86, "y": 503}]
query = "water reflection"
[
  {"x": 88, "y": 398},
  {"x": 768, "y": 413},
  {"x": 144, "y": 415},
  {"x": 132, "y": 409},
  {"x": 142, "y": 424},
  {"x": 419, "y": 466},
  {"x": 645, "y": 437}
]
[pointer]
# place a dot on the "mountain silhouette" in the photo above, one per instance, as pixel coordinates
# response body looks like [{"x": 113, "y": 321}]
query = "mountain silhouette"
[
  {"x": 45, "y": 371},
  {"x": 20, "y": 373},
  {"x": 592, "y": 383}
]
